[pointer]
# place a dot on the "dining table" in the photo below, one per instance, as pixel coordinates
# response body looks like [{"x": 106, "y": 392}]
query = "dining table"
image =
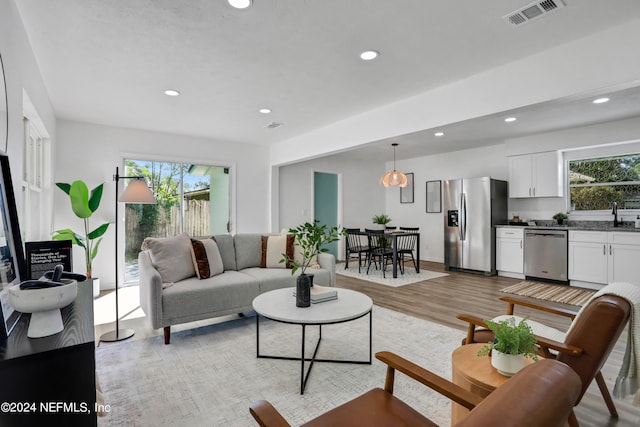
[{"x": 393, "y": 237}]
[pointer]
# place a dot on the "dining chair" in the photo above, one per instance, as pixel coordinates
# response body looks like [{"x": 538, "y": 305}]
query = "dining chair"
[
  {"x": 587, "y": 344},
  {"x": 409, "y": 228},
  {"x": 379, "y": 249},
  {"x": 406, "y": 245},
  {"x": 390, "y": 228},
  {"x": 540, "y": 395},
  {"x": 357, "y": 245}
]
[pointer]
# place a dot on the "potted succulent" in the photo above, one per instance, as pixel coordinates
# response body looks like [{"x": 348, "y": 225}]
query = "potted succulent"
[
  {"x": 381, "y": 220},
  {"x": 84, "y": 205},
  {"x": 310, "y": 238},
  {"x": 513, "y": 342},
  {"x": 560, "y": 217}
]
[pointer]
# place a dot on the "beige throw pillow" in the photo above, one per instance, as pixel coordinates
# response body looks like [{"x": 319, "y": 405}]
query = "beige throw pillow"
[
  {"x": 272, "y": 249},
  {"x": 207, "y": 260}
]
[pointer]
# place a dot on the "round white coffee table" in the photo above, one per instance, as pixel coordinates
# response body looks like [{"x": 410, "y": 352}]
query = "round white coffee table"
[{"x": 280, "y": 305}]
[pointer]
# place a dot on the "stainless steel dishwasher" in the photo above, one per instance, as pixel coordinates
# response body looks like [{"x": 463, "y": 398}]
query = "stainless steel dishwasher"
[{"x": 545, "y": 254}]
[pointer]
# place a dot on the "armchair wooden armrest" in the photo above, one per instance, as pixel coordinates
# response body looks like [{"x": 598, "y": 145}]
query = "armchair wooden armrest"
[
  {"x": 544, "y": 343},
  {"x": 537, "y": 305},
  {"x": 428, "y": 378},
  {"x": 266, "y": 415}
]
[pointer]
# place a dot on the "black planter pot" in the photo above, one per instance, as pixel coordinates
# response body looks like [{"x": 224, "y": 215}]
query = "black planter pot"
[{"x": 303, "y": 290}]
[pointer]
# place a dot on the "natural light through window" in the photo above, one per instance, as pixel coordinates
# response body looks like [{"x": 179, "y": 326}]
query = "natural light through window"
[{"x": 596, "y": 183}]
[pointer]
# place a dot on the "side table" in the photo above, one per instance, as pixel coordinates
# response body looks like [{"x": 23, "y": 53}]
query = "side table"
[{"x": 475, "y": 374}]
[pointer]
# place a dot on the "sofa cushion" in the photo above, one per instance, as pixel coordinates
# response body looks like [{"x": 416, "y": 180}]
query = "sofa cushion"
[
  {"x": 227, "y": 250},
  {"x": 171, "y": 256},
  {"x": 248, "y": 250},
  {"x": 272, "y": 249},
  {"x": 277, "y": 278},
  {"x": 222, "y": 292},
  {"x": 206, "y": 258}
]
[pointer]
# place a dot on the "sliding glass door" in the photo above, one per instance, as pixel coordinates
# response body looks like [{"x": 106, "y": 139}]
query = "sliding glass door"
[{"x": 191, "y": 198}]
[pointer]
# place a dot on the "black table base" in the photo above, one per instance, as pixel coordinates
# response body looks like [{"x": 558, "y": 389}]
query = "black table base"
[{"x": 305, "y": 376}]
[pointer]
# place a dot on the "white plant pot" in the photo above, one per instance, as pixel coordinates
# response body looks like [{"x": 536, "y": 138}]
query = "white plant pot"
[
  {"x": 96, "y": 286},
  {"x": 378, "y": 227},
  {"x": 507, "y": 364}
]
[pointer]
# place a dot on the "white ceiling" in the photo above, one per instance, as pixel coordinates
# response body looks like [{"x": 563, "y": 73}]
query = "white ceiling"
[{"x": 108, "y": 62}]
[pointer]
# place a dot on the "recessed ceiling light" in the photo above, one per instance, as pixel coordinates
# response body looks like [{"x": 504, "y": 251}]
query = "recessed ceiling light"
[
  {"x": 265, "y": 110},
  {"x": 368, "y": 55},
  {"x": 240, "y": 4},
  {"x": 510, "y": 119},
  {"x": 171, "y": 92},
  {"x": 439, "y": 134},
  {"x": 600, "y": 100}
]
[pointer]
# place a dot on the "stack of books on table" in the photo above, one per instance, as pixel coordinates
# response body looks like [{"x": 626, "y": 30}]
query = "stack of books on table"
[{"x": 322, "y": 294}]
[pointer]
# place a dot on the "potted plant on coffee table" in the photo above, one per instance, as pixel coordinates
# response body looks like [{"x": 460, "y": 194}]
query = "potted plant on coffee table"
[
  {"x": 311, "y": 238},
  {"x": 84, "y": 204},
  {"x": 513, "y": 342}
]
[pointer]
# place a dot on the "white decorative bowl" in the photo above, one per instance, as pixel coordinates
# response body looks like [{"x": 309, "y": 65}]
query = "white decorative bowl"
[{"x": 44, "y": 305}]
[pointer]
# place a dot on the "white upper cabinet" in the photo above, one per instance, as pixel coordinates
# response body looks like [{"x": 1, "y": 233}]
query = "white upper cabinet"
[{"x": 536, "y": 175}]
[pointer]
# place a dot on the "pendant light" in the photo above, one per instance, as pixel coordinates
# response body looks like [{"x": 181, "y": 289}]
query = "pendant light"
[{"x": 395, "y": 178}]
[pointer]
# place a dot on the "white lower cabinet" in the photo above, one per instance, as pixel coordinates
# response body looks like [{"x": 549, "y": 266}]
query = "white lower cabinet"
[
  {"x": 602, "y": 257},
  {"x": 509, "y": 251}
]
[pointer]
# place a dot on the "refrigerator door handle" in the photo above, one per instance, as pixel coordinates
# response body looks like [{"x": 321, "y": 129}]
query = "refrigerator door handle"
[{"x": 463, "y": 219}]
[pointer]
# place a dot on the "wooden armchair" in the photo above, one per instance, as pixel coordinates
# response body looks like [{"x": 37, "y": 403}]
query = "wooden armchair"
[
  {"x": 548, "y": 384},
  {"x": 586, "y": 346}
]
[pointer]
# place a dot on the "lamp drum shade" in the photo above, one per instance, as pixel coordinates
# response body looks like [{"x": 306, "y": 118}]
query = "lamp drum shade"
[{"x": 137, "y": 192}]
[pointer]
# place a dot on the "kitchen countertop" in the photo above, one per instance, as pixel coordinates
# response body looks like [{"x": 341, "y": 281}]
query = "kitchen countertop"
[{"x": 578, "y": 225}]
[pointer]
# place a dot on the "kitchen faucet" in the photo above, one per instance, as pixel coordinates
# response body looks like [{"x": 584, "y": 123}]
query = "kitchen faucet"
[{"x": 614, "y": 212}]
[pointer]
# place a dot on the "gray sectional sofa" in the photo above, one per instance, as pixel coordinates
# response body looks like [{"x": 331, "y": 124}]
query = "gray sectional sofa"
[{"x": 171, "y": 293}]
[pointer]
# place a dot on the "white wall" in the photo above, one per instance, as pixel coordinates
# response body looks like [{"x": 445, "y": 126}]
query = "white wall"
[
  {"x": 22, "y": 76},
  {"x": 362, "y": 196},
  {"x": 91, "y": 152}
]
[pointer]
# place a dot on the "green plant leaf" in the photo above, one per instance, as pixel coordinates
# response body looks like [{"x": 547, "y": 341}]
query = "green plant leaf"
[
  {"x": 94, "y": 251},
  {"x": 98, "y": 231},
  {"x": 64, "y": 186},
  {"x": 79, "y": 194},
  {"x": 68, "y": 234},
  {"x": 96, "y": 196}
]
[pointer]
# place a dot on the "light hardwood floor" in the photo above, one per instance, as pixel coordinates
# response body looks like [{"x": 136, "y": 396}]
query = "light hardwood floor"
[{"x": 441, "y": 300}]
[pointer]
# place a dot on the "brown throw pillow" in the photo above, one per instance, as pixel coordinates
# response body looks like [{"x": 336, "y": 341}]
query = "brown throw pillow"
[
  {"x": 207, "y": 260},
  {"x": 272, "y": 249}
]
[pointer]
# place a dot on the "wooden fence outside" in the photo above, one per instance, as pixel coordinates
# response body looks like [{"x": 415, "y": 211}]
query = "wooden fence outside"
[{"x": 196, "y": 223}]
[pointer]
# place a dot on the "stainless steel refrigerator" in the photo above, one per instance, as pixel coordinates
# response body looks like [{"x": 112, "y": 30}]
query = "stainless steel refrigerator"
[{"x": 473, "y": 207}]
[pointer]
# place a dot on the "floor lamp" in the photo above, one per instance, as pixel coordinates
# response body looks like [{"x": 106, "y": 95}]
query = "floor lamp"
[{"x": 136, "y": 192}]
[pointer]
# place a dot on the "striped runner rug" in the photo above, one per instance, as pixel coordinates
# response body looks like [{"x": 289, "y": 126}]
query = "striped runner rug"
[{"x": 556, "y": 293}]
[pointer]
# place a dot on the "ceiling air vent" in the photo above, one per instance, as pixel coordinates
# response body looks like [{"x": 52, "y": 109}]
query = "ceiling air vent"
[
  {"x": 533, "y": 11},
  {"x": 274, "y": 125}
]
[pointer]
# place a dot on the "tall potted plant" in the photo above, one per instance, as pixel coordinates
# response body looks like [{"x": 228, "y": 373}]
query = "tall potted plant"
[
  {"x": 513, "y": 342},
  {"x": 311, "y": 238},
  {"x": 84, "y": 205}
]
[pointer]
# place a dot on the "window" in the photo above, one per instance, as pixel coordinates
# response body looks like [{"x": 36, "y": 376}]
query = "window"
[
  {"x": 594, "y": 184},
  {"x": 191, "y": 198},
  {"x": 34, "y": 203}
]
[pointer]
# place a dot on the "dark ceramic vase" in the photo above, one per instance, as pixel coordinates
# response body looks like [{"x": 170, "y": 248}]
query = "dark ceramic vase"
[{"x": 303, "y": 290}]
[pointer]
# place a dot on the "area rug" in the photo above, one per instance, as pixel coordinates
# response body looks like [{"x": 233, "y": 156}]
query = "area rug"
[
  {"x": 556, "y": 293},
  {"x": 210, "y": 375},
  {"x": 410, "y": 276}
]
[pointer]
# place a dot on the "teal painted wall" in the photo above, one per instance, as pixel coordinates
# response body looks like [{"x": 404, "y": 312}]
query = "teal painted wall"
[{"x": 325, "y": 203}]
